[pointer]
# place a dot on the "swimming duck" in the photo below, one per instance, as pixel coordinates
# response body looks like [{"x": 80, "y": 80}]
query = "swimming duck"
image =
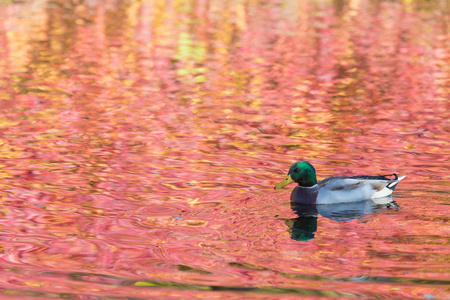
[{"x": 338, "y": 189}]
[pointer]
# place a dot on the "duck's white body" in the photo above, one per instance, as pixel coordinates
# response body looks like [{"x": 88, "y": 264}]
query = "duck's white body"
[{"x": 345, "y": 189}]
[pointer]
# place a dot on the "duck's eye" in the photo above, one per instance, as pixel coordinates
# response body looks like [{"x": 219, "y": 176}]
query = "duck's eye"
[{"x": 296, "y": 169}]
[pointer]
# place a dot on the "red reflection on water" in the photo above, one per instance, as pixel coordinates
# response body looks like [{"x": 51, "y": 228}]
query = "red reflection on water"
[{"x": 142, "y": 139}]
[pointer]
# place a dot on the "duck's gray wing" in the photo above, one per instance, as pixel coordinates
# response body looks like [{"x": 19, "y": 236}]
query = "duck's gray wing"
[{"x": 353, "y": 182}]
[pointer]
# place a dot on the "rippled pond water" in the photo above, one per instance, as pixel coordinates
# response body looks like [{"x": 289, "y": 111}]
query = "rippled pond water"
[{"x": 141, "y": 140}]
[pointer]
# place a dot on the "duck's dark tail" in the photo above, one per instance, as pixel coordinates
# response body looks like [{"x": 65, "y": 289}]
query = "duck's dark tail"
[{"x": 394, "y": 182}]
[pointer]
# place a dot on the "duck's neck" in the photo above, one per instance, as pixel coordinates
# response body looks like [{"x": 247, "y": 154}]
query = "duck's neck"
[{"x": 308, "y": 180}]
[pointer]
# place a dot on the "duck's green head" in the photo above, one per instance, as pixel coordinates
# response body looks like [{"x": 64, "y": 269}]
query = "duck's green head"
[{"x": 301, "y": 172}]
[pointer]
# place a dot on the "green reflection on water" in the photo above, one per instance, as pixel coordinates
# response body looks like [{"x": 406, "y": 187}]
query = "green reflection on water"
[
  {"x": 114, "y": 280},
  {"x": 243, "y": 289}
]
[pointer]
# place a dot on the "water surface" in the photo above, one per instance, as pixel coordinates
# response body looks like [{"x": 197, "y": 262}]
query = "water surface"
[{"x": 141, "y": 140}]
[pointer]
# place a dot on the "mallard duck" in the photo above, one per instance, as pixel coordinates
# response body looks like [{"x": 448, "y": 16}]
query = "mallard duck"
[{"x": 338, "y": 189}]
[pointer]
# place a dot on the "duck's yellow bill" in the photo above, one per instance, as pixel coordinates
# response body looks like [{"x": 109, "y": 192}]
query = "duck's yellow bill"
[{"x": 284, "y": 183}]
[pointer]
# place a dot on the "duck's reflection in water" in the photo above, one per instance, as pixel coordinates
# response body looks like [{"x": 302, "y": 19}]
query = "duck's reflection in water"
[{"x": 304, "y": 226}]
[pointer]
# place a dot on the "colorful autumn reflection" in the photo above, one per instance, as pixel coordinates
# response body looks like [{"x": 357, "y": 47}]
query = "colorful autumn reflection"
[{"x": 140, "y": 142}]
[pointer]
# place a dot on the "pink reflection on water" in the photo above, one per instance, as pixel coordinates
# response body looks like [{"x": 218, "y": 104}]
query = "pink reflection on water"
[{"x": 140, "y": 142}]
